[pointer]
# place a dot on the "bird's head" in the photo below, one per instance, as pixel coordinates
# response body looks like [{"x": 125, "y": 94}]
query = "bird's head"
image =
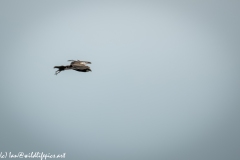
[{"x": 89, "y": 70}]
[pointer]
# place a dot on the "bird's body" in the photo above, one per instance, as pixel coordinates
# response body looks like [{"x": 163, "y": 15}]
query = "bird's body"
[{"x": 79, "y": 66}]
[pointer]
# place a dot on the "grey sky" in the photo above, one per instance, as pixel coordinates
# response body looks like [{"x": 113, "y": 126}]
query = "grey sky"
[{"x": 165, "y": 80}]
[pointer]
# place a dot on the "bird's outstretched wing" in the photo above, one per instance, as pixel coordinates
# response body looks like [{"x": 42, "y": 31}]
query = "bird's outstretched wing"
[
  {"x": 78, "y": 61},
  {"x": 61, "y": 68}
]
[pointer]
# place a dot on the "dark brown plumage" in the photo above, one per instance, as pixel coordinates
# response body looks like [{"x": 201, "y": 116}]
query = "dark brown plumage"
[{"x": 79, "y": 66}]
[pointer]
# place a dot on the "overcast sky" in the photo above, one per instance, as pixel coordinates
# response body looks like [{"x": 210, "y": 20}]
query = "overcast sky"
[{"x": 164, "y": 84}]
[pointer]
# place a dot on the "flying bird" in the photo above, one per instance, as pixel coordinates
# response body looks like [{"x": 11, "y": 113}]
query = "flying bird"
[{"x": 77, "y": 65}]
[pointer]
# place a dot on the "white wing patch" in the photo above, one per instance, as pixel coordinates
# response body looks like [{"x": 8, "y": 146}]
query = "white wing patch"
[{"x": 83, "y": 63}]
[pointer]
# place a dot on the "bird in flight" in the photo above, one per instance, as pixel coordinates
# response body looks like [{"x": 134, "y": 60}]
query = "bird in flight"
[{"x": 80, "y": 66}]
